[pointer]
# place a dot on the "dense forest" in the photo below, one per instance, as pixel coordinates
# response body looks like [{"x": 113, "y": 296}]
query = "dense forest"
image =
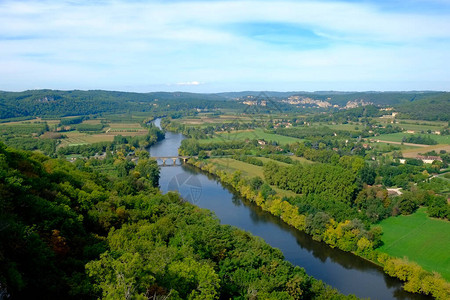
[
  {"x": 434, "y": 109},
  {"x": 53, "y": 103}
]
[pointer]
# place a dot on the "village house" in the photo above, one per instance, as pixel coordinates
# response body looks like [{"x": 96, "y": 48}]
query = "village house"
[{"x": 428, "y": 159}]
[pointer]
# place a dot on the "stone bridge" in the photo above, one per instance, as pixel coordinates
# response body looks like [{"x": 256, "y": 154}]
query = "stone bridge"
[{"x": 182, "y": 159}]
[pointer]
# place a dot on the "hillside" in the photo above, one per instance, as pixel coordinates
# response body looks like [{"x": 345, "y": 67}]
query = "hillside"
[
  {"x": 436, "y": 108},
  {"x": 53, "y": 103}
]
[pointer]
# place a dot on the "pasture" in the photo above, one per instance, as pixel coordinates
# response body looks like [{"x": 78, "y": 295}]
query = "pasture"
[{"x": 421, "y": 239}]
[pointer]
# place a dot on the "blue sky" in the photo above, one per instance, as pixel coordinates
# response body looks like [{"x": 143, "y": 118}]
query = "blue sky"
[{"x": 214, "y": 46}]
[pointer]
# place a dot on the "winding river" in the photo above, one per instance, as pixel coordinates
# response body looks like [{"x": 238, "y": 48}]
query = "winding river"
[{"x": 344, "y": 271}]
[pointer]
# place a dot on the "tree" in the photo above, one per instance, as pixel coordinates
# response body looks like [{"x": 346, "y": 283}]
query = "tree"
[{"x": 148, "y": 169}]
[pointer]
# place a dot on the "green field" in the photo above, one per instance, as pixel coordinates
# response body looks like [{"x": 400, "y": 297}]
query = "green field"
[
  {"x": 248, "y": 170},
  {"x": 421, "y": 239},
  {"x": 345, "y": 127},
  {"x": 397, "y": 137},
  {"x": 421, "y": 125},
  {"x": 251, "y": 135},
  {"x": 418, "y": 128},
  {"x": 386, "y": 147},
  {"x": 231, "y": 165}
]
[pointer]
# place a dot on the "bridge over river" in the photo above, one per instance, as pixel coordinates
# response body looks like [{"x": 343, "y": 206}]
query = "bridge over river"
[{"x": 174, "y": 158}]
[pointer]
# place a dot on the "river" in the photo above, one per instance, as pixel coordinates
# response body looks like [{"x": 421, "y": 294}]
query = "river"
[{"x": 344, "y": 271}]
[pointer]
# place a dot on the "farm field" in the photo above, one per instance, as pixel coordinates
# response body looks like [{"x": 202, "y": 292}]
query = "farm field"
[
  {"x": 387, "y": 146},
  {"x": 251, "y": 134},
  {"x": 415, "y": 125},
  {"x": 397, "y": 137},
  {"x": 249, "y": 170},
  {"x": 209, "y": 119},
  {"x": 421, "y": 239},
  {"x": 412, "y": 153},
  {"x": 419, "y": 128},
  {"x": 92, "y": 122},
  {"x": 127, "y": 118},
  {"x": 75, "y": 138},
  {"x": 421, "y": 124},
  {"x": 345, "y": 127},
  {"x": 124, "y": 127},
  {"x": 34, "y": 127},
  {"x": 31, "y": 121}
]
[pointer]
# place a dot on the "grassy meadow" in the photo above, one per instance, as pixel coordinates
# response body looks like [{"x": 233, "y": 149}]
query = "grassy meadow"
[{"x": 419, "y": 238}]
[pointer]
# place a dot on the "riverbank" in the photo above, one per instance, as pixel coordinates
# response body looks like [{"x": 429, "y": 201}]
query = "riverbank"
[{"x": 416, "y": 279}]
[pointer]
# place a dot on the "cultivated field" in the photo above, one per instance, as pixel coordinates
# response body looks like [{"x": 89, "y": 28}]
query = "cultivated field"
[
  {"x": 210, "y": 119},
  {"x": 416, "y": 125},
  {"x": 124, "y": 127},
  {"x": 397, "y": 137},
  {"x": 240, "y": 135},
  {"x": 419, "y": 238},
  {"x": 345, "y": 127},
  {"x": 413, "y": 153},
  {"x": 75, "y": 138},
  {"x": 386, "y": 146}
]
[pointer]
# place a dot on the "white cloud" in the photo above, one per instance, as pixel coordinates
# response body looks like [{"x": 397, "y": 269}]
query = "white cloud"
[
  {"x": 61, "y": 45},
  {"x": 189, "y": 83}
]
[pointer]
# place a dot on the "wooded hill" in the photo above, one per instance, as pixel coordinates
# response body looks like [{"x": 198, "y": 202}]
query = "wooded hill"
[{"x": 53, "y": 103}]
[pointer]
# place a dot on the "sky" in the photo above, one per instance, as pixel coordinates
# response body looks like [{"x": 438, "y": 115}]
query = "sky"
[{"x": 219, "y": 46}]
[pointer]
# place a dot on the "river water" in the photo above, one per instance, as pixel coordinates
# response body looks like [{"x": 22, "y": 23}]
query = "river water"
[{"x": 343, "y": 271}]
